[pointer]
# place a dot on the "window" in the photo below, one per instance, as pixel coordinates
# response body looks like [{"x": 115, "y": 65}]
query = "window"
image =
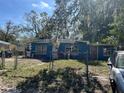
[
  {"x": 120, "y": 61},
  {"x": 106, "y": 51},
  {"x": 113, "y": 58},
  {"x": 75, "y": 49},
  {"x": 41, "y": 49},
  {"x": 68, "y": 48}
]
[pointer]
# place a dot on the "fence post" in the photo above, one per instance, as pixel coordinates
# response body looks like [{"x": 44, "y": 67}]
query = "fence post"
[
  {"x": 87, "y": 67},
  {"x": 16, "y": 55},
  {"x": 51, "y": 64},
  {"x": 97, "y": 50},
  {"x": 86, "y": 54},
  {"x": 16, "y": 60},
  {"x": 3, "y": 60}
]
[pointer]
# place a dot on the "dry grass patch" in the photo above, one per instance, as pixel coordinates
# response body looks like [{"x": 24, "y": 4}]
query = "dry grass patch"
[{"x": 30, "y": 67}]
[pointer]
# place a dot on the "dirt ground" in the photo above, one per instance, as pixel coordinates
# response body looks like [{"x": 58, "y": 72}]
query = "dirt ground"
[
  {"x": 104, "y": 85},
  {"x": 4, "y": 88},
  {"x": 104, "y": 82}
]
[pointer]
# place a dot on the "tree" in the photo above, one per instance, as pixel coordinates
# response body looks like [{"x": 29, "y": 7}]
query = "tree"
[
  {"x": 35, "y": 22},
  {"x": 93, "y": 18},
  {"x": 117, "y": 27},
  {"x": 60, "y": 20},
  {"x": 9, "y": 32}
]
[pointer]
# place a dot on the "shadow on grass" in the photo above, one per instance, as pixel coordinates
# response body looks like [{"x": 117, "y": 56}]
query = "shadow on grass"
[
  {"x": 39, "y": 59},
  {"x": 96, "y": 63},
  {"x": 100, "y": 87},
  {"x": 66, "y": 80},
  {"x": 92, "y": 63}
]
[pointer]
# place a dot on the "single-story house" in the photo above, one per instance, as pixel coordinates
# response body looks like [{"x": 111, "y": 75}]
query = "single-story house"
[
  {"x": 40, "y": 49},
  {"x": 4, "y": 45},
  {"x": 101, "y": 51},
  {"x": 70, "y": 49}
]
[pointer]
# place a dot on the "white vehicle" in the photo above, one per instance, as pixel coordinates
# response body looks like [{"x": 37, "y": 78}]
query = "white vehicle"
[{"x": 116, "y": 66}]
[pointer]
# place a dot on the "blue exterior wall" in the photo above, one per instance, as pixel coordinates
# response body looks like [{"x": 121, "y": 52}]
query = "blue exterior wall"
[
  {"x": 97, "y": 52},
  {"x": 62, "y": 51},
  {"x": 101, "y": 54},
  {"x": 82, "y": 50},
  {"x": 47, "y": 56}
]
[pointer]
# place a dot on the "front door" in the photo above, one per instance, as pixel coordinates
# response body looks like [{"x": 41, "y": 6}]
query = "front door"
[
  {"x": 93, "y": 52},
  {"x": 68, "y": 51}
]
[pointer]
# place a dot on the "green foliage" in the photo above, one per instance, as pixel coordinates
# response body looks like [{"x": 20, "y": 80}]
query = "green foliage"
[
  {"x": 36, "y": 23},
  {"x": 48, "y": 76},
  {"x": 92, "y": 20},
  {"x": 110, "y": 40},
  {"x": 118, "y": 26},
  {"x": 9, "y": 32}
]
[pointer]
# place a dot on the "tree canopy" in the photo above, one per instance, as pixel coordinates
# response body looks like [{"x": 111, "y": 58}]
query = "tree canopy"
[{"x": 91, "y": 20}]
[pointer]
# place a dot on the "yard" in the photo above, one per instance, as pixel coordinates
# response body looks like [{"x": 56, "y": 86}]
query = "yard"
[{"x": 30, "y": 71}]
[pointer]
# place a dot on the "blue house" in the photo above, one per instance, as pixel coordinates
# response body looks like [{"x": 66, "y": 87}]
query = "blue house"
[
  {"x": 65, "y": 49},
  {"x": 40, "y": 49},
  {"x": 69, "y": 49},
  {"x": 80, "y": 50},
  {"x": 101, "y": 51}
]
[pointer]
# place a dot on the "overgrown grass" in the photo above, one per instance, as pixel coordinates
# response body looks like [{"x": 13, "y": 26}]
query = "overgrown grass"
[
  {"x": 24, "y": 70},
  {"x": 30, "y": 68},
  {"x": 99, "y": 68},
  {"x": 66, "y": 80},
  {"x": 95, "y": 67},
  {"x": 68, "y": 63}
]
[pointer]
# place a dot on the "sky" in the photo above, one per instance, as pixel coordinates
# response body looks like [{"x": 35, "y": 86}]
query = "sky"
[{"x": 14, "y": 10}]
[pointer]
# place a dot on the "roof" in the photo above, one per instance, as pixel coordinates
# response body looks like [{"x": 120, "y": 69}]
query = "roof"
[
  {"x": 42, "y": 41},
  {"x": 5, "y": 43},
  {"x": 87, "y": 42},
  {"x": 66, "y": 41},
  {"x": 102, "y": 45}
]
